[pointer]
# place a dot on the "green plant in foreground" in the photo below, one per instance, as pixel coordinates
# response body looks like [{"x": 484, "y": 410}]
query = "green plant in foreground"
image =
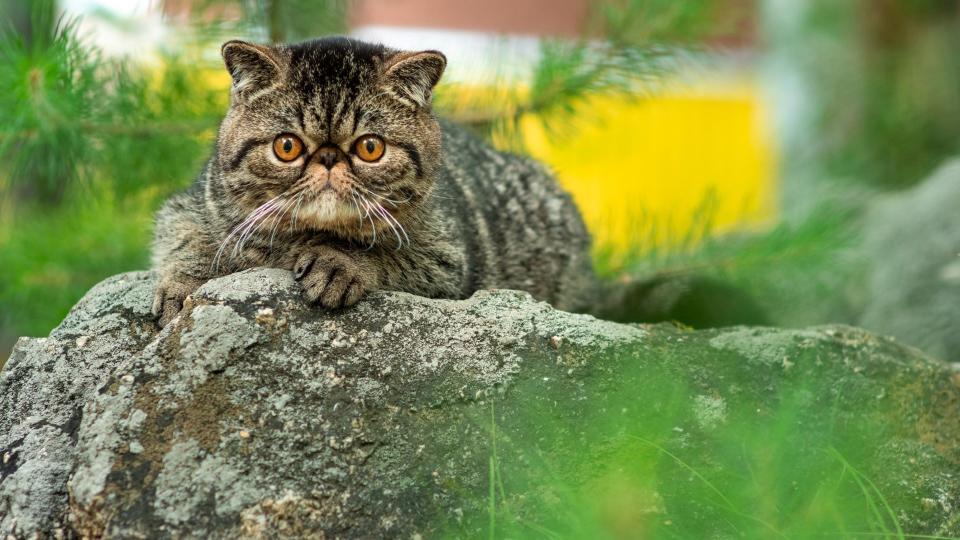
[{"x": 654, "y": 458}]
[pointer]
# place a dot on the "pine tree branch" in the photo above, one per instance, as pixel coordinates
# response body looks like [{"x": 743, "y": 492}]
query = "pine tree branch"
[{"x": 150, "y": 129}]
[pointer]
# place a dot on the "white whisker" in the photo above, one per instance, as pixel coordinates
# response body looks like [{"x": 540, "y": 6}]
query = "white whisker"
[
  {"x": 384, "y": 198},
  {"x": 372, "y": 208},
  {"x": 277, "y": 219},
  {"x": 252, "y": 229},
  {"x": 387, "y": 218},
  {"x": 215, "y": 266},
  {"x": 296, "y": 212},
  {"x": 398, "y": 224},
  {"x": 373, "y": 225}
]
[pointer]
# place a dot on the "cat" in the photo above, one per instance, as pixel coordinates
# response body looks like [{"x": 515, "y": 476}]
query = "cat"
[{"x": 331, "y": 163}]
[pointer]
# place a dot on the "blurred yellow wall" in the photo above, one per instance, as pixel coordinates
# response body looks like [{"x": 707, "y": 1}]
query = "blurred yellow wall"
[{"x": 657, "y": 172}]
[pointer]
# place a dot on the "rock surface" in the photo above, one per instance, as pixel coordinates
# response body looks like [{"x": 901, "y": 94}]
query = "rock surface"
[
  {"x": 913, "y": 246},
  {"x": 253, "y": 415}
]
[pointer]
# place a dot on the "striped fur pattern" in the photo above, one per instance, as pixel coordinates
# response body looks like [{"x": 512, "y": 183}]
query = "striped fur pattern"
[{"x": 441, "y": 214}]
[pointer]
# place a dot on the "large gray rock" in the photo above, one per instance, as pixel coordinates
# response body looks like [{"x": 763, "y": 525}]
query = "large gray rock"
[
  {"x": 43, "y": 388},
  {"x": 913, "y": 249},
  {"x": 253, "y": 415}
]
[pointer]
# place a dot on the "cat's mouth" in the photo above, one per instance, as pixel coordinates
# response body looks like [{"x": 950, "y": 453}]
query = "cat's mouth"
[
  {"x": 327, "y": 200},
  {"x": 327, "y": 186},
  {"x": 335, "y": 202},
  {"x": 328, "y": 206}
]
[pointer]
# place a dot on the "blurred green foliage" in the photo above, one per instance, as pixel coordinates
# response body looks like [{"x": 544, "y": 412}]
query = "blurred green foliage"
[
  {"x": 796, "y": 274},
  {"x": 50, "y": 259},
  {"x": 284, "y": 21},
  {"x": 51, "y": 87},
  {"x": 88, "y": 148},
  {"x": 651, "y": 456},
  {"x": 644, "y": 42},
  {"x": 885, "y": 78},
  {"x": 72, "y": 116}
]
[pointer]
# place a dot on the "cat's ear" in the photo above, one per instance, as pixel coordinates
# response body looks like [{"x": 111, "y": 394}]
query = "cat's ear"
[
  {"x": 252, "y": 67},
  {"x": 411, "y": 76}
]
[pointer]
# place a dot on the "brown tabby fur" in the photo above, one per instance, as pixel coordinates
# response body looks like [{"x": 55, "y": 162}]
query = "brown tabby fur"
[{"x": 441, "y": 214}]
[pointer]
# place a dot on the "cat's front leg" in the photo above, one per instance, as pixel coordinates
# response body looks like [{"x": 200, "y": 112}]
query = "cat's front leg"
[
  {"x": 171, "y": 291},
  {"x": 181, "y": 256},
  {"x": 334, "y": 278}
]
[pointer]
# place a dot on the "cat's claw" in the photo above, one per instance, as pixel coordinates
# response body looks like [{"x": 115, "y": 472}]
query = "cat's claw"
[
  {"x": 169, "y": 295},
  {"x": 331, "y": 278}
]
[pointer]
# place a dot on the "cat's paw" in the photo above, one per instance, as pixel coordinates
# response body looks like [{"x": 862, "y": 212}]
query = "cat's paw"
[
  {"x": 331, "y": 277},
  {"x": 169, "y": 295}
]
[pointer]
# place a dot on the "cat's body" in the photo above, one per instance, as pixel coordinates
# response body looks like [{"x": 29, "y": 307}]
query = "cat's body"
[{"x": 437, "y": 212}]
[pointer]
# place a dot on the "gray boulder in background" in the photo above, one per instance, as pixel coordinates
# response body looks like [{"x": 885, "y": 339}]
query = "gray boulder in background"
[
  {"x": 913, "y": 259},
  {"x": 254, "y": 415}
]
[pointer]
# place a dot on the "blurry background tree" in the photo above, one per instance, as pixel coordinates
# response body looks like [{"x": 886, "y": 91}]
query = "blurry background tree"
[
  {"x": 865, "y": 94},
  {"x": 36, "y": 26},
  {"x": 879, "y": 86}
]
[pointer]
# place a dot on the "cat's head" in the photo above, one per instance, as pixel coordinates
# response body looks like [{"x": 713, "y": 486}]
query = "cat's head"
[{"x": 332, "y": 134}]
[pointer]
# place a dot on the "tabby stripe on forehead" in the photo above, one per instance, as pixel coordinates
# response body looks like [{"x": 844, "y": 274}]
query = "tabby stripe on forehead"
[
  {"x": 338, "y": 115},
  {"x": 303, "y": 125},
  {"x": 328, "y": 117},
  {"x": 356, "y": 122},
  {"x": 414, "y": 156},
  {"x": 244, "y": 150}
]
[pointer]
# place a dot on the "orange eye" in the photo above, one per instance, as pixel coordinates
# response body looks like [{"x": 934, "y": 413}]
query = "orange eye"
[
  {"x": 287, "y": 147},
  {"x": 369, "y": 147}
]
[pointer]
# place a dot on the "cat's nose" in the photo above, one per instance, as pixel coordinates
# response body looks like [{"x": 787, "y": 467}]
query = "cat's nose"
[{"x": 328, "y": 157}]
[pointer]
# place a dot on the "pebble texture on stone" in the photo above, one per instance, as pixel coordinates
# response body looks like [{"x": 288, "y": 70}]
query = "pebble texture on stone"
[{"x": 254, "y": 415}]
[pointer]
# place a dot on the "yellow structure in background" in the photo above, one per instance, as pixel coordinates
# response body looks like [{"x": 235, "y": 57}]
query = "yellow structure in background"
[{"x": 658, "y": 172}]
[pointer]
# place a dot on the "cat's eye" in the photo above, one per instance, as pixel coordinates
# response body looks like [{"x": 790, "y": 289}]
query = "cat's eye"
[
  {"x": 369, "y": 147},
  {"x": 287, "y": 147}
]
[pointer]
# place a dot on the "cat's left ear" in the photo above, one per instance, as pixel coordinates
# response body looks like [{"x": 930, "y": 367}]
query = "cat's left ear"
[{"x": 412, "y": 76}]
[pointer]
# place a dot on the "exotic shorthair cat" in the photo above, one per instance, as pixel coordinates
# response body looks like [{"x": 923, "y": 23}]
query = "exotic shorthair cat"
[{"x": 330, "y": 163}]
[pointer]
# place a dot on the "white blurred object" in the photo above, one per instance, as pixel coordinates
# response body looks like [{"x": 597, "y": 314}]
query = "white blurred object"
[
  {"x": 132, "y": 28},
  {"x": 471, "y": 56}
]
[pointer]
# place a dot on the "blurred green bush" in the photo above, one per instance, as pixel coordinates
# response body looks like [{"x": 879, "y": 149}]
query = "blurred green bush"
[{"x": 88, "y": 146}]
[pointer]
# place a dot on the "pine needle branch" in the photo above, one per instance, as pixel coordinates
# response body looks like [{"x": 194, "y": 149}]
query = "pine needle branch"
[
  {"x": 631, "y": 48},
  {"x": 70, "y": 115}
]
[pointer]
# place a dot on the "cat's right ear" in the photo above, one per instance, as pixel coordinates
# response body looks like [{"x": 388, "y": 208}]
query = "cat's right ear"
[{"x": 253, "y": 67}]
